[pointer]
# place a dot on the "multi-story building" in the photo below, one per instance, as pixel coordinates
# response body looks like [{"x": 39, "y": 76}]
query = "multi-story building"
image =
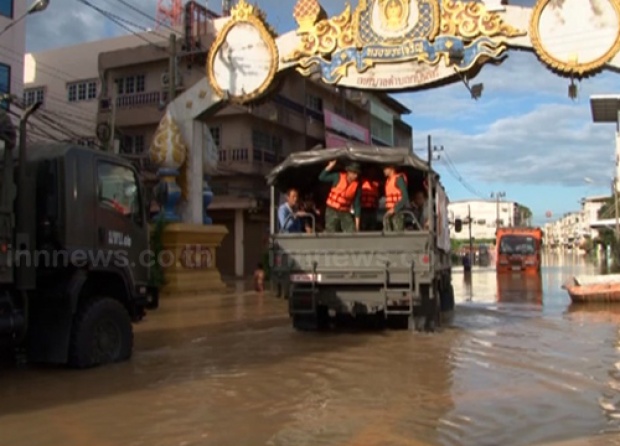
[
  {"x": 574, "y": 228},
  {"x": 251, "y": 140},
  {"x": 67, "y": 81},
  {"x": 484, "y": 215},
  {"x": 12, "y": 46}
]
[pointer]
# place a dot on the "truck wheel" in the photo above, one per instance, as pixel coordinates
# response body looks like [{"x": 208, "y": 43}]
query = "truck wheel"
[
  {"x": 432, "y": 311},
  {"x": 102, "y": 334},
  {"x": 447, "y": 299},
  {"x": 312, "y": 322},
  {"x": 398, "y": 321}
]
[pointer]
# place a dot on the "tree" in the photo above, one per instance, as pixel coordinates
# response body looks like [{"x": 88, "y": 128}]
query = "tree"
[
  {"x": 525, "y": 214},
  {"x": 608, "y": 210}
]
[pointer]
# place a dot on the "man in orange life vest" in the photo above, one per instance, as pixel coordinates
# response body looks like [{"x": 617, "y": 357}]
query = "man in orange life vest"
[
  {"x": 344, "y": 196},
  {"x": 370, "y": 203},
  {"x": 396, "y": 199}
]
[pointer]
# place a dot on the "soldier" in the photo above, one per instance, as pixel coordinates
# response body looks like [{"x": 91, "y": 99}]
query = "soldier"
[
  {"x": 370, "y": 203},
  {"x": 396, "y": 198},
  {"x": 344, "y": 196}
]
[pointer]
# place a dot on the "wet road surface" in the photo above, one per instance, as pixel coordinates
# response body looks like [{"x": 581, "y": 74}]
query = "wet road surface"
[{"x": 517, "y": 365}]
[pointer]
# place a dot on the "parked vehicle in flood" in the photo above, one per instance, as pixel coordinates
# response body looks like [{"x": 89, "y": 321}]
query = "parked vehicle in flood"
[{"x": 519, "y": 249}]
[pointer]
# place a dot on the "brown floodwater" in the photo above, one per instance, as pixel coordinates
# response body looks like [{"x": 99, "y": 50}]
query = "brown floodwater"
[{"x": 517, "y": 365}]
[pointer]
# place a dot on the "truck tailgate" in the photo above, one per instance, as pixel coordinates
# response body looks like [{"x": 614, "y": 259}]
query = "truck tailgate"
[{"x": 346, "y": 258}]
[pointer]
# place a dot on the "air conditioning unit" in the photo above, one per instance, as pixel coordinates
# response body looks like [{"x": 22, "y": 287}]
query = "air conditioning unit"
[{"x": 165, "y": 79}]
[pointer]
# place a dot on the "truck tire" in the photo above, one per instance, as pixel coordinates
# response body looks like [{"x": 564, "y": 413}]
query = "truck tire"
[
  {"x": 312, "y": 322},
  {"x": 102, "y": 334},
  {"x": 433, "y": 311}
]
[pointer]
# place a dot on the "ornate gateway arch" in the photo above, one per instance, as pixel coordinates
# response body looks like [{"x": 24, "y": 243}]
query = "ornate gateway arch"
[{"x": 391, "y": 45}]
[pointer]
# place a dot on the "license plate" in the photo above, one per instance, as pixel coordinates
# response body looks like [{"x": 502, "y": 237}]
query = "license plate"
[
  {"x": 304, "y": 277},
  {"x": 516, "y": 268}
]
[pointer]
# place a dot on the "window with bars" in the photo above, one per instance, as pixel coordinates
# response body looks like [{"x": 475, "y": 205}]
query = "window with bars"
[
  {"x": 131, "y": 84},
  {"x": 32, "y": 95},
  {"x": 82, "y": 91},
  {"x": 314, "y": 102},
  {"x": 133, "y": 144},
  {"x": 216, "y": 135}
]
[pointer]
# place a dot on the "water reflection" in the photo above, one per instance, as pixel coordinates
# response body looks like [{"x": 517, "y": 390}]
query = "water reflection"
[{"x": 520, "y": 287}]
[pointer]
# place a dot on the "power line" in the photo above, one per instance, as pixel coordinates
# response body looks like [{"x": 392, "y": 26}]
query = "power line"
[{"x": 150, "y": 17}]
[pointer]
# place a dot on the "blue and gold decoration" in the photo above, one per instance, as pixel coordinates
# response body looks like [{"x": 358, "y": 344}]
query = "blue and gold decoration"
[{"x": 462, "y": 34}]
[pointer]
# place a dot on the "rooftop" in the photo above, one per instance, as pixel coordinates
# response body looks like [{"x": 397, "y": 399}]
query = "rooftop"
[{"x": 605, "y": 107}]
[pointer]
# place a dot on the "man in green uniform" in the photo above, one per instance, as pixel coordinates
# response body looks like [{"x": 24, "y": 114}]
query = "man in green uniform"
[
  {"x": 344, "y": 196},
  {"x": 396, "y": 199}
]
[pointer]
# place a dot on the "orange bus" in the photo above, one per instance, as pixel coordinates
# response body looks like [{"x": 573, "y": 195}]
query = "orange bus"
[{"x": 518, "y": 249}]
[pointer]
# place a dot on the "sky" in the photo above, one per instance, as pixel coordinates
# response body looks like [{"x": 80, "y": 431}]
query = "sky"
[{"x": 523, "y": 137}]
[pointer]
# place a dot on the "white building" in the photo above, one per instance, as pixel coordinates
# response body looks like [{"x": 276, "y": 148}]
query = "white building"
[
  {"x": 12, "y": 46},
  {"x": 574, "y": 228},
  {"x": 484, "y": 214},
  {"x": 67, "y": 81}
]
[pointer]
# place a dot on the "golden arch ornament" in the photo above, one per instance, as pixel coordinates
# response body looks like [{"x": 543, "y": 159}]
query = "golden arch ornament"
[
  {"x": 234, "y": 45},
  {"x": 570, "y": 35}
]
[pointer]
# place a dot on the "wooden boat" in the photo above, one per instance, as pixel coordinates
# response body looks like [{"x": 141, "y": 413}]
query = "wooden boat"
[{"x": 599, "y": 288}]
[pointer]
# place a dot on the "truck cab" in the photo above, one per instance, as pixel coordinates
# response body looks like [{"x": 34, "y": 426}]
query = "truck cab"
[
  {"x": 74, "y": 263},
  {"x": 519, "y": 249}
]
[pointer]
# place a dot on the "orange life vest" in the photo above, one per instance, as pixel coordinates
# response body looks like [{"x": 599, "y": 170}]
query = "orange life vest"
[
  {"x": 392, "y": 192},
  {"x": 370, "y": 194},
  {"x": 341, "y": 196}
]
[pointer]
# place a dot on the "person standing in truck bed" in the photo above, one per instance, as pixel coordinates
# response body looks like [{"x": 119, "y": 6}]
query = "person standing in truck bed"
[
  {"x": 396, "y": 198},
  {"x": 344, "y": 196},
  {"x": 370, "y": 202}
]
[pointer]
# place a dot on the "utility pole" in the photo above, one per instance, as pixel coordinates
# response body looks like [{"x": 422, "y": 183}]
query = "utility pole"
[
  {"x": 471, "y": 242},
  {"x": 172, "y": 70},
  {"x": 615, "y": 189},
  {"x": 497, "y": 196},
  {"x": 112, "y": 141}
]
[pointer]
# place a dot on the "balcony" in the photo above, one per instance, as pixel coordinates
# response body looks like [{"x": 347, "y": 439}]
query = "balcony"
[
  {"x": 126, "y": 105},
  {"x": 243, "y": 160}
]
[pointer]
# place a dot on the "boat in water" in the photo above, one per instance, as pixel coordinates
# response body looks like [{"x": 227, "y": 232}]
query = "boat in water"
[{"x": 595, "y": 289}]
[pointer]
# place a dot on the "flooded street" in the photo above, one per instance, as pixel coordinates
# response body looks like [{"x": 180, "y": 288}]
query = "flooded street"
[{"x": 516, "y": 366}]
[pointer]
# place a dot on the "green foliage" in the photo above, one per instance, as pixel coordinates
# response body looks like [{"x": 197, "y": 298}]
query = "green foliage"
[
  {"x": 156, "y": 276},
  {"x": 608, "y": 210}
]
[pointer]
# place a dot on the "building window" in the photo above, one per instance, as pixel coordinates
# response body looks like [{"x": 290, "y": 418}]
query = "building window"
[
  {"x": 216, "y": 136},
  {"x": 314, "y": 103},
  {"x": 266, "y": 147},
  {"x": 82, "y": 91},
  {"x": 5, "y": 83},
  {"x": 86, "y": 142},
  {"x": 6, "y": 8},
  {"x": 133, "y": 144},
  {"x": 32, "y": 95},
  {"x": 381, "y": 130},
  {"x": 130, "y": 84}
]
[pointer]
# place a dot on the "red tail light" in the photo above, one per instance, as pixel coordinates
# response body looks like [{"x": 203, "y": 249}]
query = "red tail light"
[{"x": 425, "y": 259}]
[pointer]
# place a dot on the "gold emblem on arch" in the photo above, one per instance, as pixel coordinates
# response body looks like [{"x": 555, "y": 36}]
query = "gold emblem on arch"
[
  {"x": 394, "y": 13},
  {"x": 575, "y": 37},
  {"x": 246, "y": 14}
]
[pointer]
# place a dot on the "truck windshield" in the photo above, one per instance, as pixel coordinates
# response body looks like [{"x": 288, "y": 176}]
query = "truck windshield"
[{"x": 517, "y": 244}]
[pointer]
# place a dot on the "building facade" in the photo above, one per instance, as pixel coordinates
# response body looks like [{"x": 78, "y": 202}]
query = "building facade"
[
  {"x": 66, "y": 80},
  {"x": 574, "y": 229},
  {"x": 484, "y": 215},
  {"x": 12, "y": 46},
  {"x": 300, "y": 114}
]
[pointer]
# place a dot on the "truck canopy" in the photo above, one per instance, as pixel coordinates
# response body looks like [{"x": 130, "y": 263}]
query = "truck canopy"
[{"x": 301, "y": 169}]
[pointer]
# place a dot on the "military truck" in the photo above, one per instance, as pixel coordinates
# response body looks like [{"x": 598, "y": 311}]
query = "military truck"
[
  {"x": 402, "y": 277},
  {"x": 74, "y": 259}
]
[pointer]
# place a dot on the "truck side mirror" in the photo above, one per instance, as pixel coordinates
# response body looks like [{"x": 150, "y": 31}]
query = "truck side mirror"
[{"x": 458, "y": 225}]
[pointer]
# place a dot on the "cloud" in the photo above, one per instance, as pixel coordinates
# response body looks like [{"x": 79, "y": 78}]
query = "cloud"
[{"x": 553, "y": 144}]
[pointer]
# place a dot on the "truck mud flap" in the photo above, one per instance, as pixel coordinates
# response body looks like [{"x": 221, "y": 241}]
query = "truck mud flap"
[{"x": 302, "y": 299}]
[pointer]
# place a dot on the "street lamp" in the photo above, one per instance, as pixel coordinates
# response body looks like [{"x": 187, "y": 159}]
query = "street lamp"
[{"x": 37, "y": 6}]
